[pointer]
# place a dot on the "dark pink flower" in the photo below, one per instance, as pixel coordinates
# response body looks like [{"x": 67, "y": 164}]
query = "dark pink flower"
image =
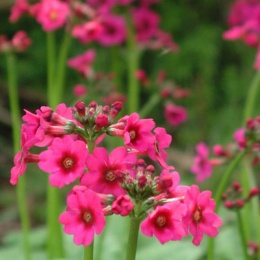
[
  {"x": 240, "y": 138},
  {"x": 79, "y": 90},
  {"x": 105, "y": 171},
  {"x": 83, "y": 217},
  {"x": 175, "y": 115},
  {"x": 52, "y": 14},
  {"x": 137, "y": 132},
  {"x": 200, "y": 218},
  {"x": 202, "y": 166},
  {"x": 83, "y": 63},
  {"x": 64, "y": 160},
  {"x": 19, "y": 8},
  {"x": 122, "y": 205},
  {"x": 21, "y": 41},
  {"x": 113, "y": 30},
  {"x": 146, "y": 23},
  {"x": 165, "y": 222}
]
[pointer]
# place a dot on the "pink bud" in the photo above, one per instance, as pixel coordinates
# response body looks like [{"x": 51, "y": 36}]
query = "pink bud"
[{"x": 122, "y": 205}]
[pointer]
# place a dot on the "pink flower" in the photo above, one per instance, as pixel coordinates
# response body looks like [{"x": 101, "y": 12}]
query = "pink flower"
[
  {"x": 200, "y": 218},
  {"x": 146, "y": 23},
  {"x": 202, "y": 166},
  {"x": 83, "y": 217},
  {"x": 113, "y": 30},
  {"x": 52, "y": 14},
  {"x": 87, "y": 32},
  {"x": 102, "y": 4},
  {"x": 137, "y": 132},
  {"x": 156, "y": 151},
  {"x": 106, "y": 170},
  {"x": 65, "y": 160},
  {"x": 82, "y": 63},
  {"x": 21, "y": 41},
  {"x": 240, "y": 138},
  {"x": 165, "y": 222},
  {"x": 19, "y": 8},
  {"x": 175, "y": 115},
  {"x": 122, "y": 205},
  {"x": 79, "y": 90}
]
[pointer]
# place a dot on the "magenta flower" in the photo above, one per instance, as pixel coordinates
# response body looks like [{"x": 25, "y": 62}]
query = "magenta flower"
[
  {"x": 240, "y": 138},
  {"x": 113, "y": 30},
  {"x": 175, "y": 115},
  {"x": 200, "y": 218},
  {"x": 156, "y": 151},
  {"x": 122, "y": 205},
  {"x": 137, "y": 132},
  {"x": 82, "y": 63},
  {"x": 64, "y": 160},
  {"x": 52, "y": 14},
  {"x": 202, "y": 166},
  {"x": 105, "y": 171},
  {"x": 146, "y": 23},
  {"x": 83, "y": 217},
  {"x": 165, "y": 222},
  {"x": 21, "y": 41},
  {"x": 79, "y": 90},
  {"x": 19, "y": 8}
]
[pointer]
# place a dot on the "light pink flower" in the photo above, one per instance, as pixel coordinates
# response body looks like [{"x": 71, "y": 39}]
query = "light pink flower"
[
  {"x": 105, "y": 171},
  {"x": 19, "y": 8},
  {"x": 137, "y": 132},
  {"x": 113, "y": 30},
  {"x": 175, "y": 115},
  {"x": 21, "y": 41},
  {"x": 156, "y": 151},
  {"x": 122, "y": 205},
  {"x": 146, "y": 23},
  {"x": 200, "y": 218},
  {"x": 83, "y": 217},
  {"x": 64, "y": 160},
  {"x": 165, "y": 222},
  {"x": 83, "y": 63},
  {"x": 52, "y": 14},
  {"x": 202, "y": 166}
]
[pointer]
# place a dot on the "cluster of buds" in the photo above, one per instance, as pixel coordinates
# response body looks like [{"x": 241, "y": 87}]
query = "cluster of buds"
[
  {"x": 19, "y": 43},
  {"x": 118, "y": 182},
  {"x": 233, "y": 198}
]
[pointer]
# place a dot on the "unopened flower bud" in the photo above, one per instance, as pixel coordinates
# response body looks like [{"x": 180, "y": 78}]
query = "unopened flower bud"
[
  {"x": 101, "y": 121},
  {"x": 253, "y": 192},
  {"x": 81, "y": 108}
]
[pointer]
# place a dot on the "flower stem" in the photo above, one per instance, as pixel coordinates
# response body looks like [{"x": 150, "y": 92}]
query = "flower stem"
[
  {"x": 150, "y": 105},
  {"x": 16, "y": 126},
  {"x": 221, "y": 187},
  {"x": 242, "y": 235},
  {"x": 89, "y": 252},
  {"x": 132, "y": 239}
]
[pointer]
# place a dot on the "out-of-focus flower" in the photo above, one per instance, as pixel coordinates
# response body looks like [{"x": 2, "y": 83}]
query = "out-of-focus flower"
[{"x": 175, "y": 115}]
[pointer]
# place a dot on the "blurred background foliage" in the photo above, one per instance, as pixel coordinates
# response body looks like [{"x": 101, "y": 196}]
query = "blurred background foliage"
[{"x": 218, "y": 74}]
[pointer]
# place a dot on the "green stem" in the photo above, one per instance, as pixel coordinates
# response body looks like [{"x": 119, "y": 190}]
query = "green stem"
[
  {"x": 252, "y": 96},
  {"x": 132, "y": 65},
  {"x": 63, "y": 54},
  {"x": 132, "y": 239},
  {"x": 16, "y": 126},
  {"x": 89, "y": 252},
  {"x": 150, "y": 105},
  {"x": 55, "y": 249},
  {"x": 221, "y": 187},
  {"x": 242, "y": 235}
]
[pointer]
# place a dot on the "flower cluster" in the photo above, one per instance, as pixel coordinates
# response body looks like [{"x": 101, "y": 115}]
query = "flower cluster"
[
  {"x": 246, "y": 138},
  {"x": 116, "y": 182},
  {"x": 244, "y": 25}
]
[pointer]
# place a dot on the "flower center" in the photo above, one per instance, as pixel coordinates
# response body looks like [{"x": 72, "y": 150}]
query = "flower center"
[
  {"x": 53, "y": 15},
  {"x": 68, "y": 163},
  {"x": 197, "y": 215},
  {"x": 87, "y": 216},
  {"x": 160, "y": 221},
  {"x": 132, "y": 134},
  {"x": 110, "y": 176}
]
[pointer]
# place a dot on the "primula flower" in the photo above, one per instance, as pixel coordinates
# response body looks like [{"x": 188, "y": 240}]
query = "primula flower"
[
  {"x": 137, "y": 132},
  {"x": 82, "y": 63},
  {"x": 19, "y": 8},
  {"x": 83, "y": 217},
  {"x": 202, "y": 166},
  {"x": 175, "y": 115},
  {"x": 239, "y": 137},
  {"x": 21, "y": 41},
  {"x": 165, "y": 222},
  {"x": 146, "y": 23},
  {"x": 122, "y": 205},
  {"x": 106, "y": 170},
  {"x": 79, "y": 90},
  {"x": 200, "y": 218},
  {"x": 113, "y": 30},
  {"x": 52, "y": 14},
  {"x": 64, "y": 160}
]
